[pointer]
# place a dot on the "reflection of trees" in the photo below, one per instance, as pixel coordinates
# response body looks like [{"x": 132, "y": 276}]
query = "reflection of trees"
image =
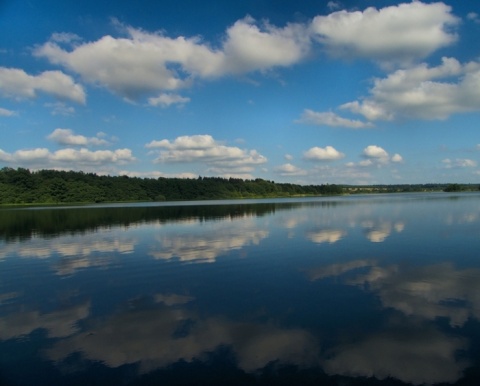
[
  {"x": 46, "y": 222},
  {"x": 160, "y": 335},
  {"x": 24, "y": 224}
]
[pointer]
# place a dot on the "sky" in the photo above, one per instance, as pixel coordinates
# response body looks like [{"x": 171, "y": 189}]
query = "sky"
[{"x": 304, "y": 91}]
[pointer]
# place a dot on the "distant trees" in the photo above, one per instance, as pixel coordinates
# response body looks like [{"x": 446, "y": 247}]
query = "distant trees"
[
  {"x": 21, "y": 186},
  {"x": 453, "y": 188}
]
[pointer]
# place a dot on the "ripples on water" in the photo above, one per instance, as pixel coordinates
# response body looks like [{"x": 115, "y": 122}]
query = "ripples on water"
[{"x": 340, "y": 291}]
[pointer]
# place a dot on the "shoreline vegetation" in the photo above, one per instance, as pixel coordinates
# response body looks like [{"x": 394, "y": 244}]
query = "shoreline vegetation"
[{"x": 45, "y": 187}]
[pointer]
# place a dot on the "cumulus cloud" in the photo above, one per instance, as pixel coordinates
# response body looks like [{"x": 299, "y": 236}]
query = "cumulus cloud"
[
  {"x": 328, "y": 153},
  {"x": 166, "y": 100},
  {"x": 376, "y": 152},
  {"x": 374, "y": 155},
  {"x": 459, "y": 163},
  {"x": 423, "y": 92},
  {"x": 144, "y": 63},
  {"x": 333, "y": 5},
  {"x": 397, "y": 158},
  {"x": 67, "y": 137},
  {"x": 395, "y": 34},
  {"x": 67, "y": 158},
  {"x": 330, "y": 119},
  {"x": 156, "y": 174},
  {"x": 250, "y": 48},
  {"x": 205, "y": 149},
  {"x": 16, "y": 83},
  {"x": 289, "y": 170},
  {"x": 60, "y": 108},
  {"x": 473, "y": 16},
  {"x": 6, "y": 112}
]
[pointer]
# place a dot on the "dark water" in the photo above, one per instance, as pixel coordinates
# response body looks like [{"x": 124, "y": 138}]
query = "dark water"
[{"x": 366, "y": 290}]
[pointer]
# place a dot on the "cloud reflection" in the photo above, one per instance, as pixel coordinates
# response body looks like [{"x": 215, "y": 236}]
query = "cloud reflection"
[
  {"x": 58, "y": 324},
  {"x": 409, "y": 352},
  {"x": 204, "y": 244},
  {"x": 429, "y": 292},
  {"x": 74, "y": 252},
  {"x": 411, "y": 348},
  {"x": 378, "y": 232},
  {"x": 159, "y": 336},
  {"x": 326, "y": 236}
]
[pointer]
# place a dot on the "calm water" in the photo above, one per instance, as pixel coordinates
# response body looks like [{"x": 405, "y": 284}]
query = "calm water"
[{"x": 366, "y": 290}]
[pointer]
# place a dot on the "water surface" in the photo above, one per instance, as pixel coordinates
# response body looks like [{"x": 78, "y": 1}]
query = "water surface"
[{"x": 376, "y": 289}]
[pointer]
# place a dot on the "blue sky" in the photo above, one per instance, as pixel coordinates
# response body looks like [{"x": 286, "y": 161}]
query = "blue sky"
[{"x": 305, "y": 91}]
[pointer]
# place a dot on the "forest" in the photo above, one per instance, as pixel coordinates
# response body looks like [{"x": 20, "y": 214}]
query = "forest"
[{"x": 22, "y": 186}]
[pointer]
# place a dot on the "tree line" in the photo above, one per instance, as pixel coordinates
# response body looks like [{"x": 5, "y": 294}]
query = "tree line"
[{"x": 22, "y": 186}]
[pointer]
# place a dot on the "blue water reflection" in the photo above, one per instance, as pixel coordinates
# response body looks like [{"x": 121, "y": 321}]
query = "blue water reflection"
[{"x": 347, "y": 290}]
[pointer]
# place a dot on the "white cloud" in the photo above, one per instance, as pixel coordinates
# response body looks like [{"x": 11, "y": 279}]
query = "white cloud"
[
  {"x": 128, "y": 67},
  {"x": 330, "y": 119},
  {"x": 423, "y": 92},
  {"x": 250, "y": 48},
  {"x": 397, "y": 158},
  {"x": 376, "y": 156},
  {"x": 141, "y": 64},
  {"x": 87, "y": 157},
  {"x": 289, "y": 157},
  {"x": 327, "y": 153},
  {"x": 375, "y": 153},
  {"x": 166, "y": 100},
  {"x": 6, "y": 113},
  {"x": 144, "y": 63},
  {"x": 195, "y": 142},
  {"x": 16, "y": 83},
  {"x": 289, "y": 170},
  {"x": 60, "y": 108},
  {"x": 64, "y": 37},
  {"x": 205, "y": 149},
  {"x": 156, "y": 174},
  {"x": 396, "y": 34},
  {"x": 67, "y": 137},
  {"x": 370, "y": 109},
  {"x": 459, "y": 163},
  {"x": 71, "y": 158},
  {"x": 473, "y": 16},
  {"x": 332, "y": 5}
]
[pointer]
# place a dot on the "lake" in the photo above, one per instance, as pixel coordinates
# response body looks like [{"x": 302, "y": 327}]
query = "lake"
[{"x": 353, "y": 290}]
